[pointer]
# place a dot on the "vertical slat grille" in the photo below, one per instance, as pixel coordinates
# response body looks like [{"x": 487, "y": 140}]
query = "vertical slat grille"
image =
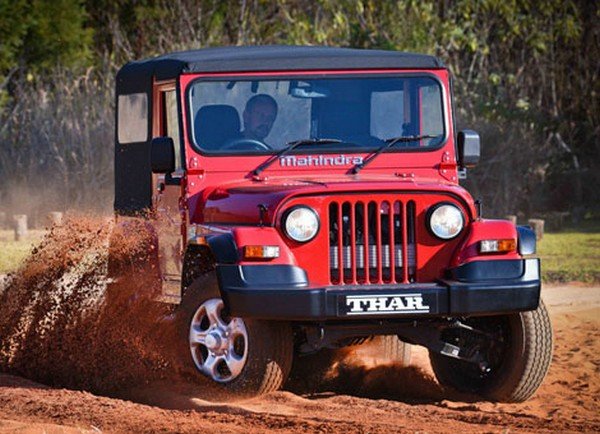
[{"x": 372, "y": 242}]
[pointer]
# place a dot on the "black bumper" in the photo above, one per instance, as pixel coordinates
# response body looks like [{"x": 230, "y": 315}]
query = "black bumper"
[{"x": 476, "y": 288}]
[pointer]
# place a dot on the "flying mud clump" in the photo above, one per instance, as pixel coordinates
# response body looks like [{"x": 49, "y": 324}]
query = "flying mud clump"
[{"x": 64, "y": 323}]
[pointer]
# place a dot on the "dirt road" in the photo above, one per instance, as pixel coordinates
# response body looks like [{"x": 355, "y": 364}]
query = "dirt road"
[{"x": 377, "y": 399}]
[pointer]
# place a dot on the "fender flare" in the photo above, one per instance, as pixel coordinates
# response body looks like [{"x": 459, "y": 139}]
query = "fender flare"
[
  {"x": 204, "y": 256},
  {"x": 526, "y": 240},
  {"x": 223, "y": 248}
]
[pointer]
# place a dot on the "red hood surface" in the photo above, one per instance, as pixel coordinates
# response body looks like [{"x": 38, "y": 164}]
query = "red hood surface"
[{"x": 240, "y": 202}]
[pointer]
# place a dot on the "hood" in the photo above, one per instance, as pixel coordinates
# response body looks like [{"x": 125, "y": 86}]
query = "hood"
[{"x": 241, "y": 202}]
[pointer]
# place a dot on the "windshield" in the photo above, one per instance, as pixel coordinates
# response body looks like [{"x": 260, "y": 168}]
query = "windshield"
[{"x": 255, "y": 116}]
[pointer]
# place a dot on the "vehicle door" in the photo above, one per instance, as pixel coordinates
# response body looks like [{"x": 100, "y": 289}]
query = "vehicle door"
[{"x": 168, "y": 188}]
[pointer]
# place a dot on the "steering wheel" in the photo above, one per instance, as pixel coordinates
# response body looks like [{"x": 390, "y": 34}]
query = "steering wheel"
[{"x": 246, "y": 144}]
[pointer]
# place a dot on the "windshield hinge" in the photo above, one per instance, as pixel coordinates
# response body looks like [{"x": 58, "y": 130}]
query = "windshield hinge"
[
  {"x": 447, "y": 167},
  {"x": 259, "y": 178}
]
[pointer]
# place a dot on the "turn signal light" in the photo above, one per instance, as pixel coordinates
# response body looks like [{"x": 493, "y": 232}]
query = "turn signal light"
[
  {"x": 261, "y": 252},
  {"x": 495, "y": 246}
]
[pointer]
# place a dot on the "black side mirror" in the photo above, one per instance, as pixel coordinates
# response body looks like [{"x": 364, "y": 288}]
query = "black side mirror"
[
  {"x": 469, "y": 148},
  {"x": 162, "y": 155}
]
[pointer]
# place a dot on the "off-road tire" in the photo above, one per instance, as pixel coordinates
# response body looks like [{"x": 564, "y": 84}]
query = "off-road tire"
[
  {"x": 270, "y": 344},
  {"x": 524, "y": 366},
  {"x": 394, "y": 350}
]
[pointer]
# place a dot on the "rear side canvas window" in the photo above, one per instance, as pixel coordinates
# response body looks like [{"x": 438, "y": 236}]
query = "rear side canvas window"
[{"x": 133, "y": 118}]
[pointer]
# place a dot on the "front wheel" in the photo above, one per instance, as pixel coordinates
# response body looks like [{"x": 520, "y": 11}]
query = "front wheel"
[
  {"x": 245, "y": 356},
  {"x": 516, "y": 350}
]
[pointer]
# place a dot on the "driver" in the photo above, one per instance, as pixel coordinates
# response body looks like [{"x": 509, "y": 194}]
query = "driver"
[{"x": 259, "y": 116}]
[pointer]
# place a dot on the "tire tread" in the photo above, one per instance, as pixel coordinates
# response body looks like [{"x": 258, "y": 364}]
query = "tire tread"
[
  {"x": 538, "y": 346},
  {"x": 518, "y": 385},
  {"x": 396, "y": 350},
  {"x": 276, "y": 373}
]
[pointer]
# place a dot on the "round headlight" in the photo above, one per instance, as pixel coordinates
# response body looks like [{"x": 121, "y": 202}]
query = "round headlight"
[
  {"x": 446, "y": 221},
  {"x": 301, "y": 223}
]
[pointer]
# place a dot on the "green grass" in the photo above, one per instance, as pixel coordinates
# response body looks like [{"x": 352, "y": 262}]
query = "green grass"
[
  {"x": 572, "y": 255},
  {"x": 12, "y": 253}
]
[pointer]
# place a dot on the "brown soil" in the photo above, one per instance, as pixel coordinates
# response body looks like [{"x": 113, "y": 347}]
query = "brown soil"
[{"x": 106, "y": 367}]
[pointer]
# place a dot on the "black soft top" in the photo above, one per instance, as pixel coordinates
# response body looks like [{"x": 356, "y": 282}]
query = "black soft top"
[{"x": 134, "y": 76}]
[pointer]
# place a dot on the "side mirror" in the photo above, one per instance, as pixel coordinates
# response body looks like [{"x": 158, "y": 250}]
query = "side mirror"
[
  {"x": 469, "y": 148},
  {"x": 162, "y": 155}
]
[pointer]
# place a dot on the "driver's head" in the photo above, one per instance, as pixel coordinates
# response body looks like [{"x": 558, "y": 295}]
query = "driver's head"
[{"x": 259, "y": 115}]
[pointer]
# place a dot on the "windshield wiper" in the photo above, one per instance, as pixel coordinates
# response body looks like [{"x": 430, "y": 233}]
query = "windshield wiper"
[
  {"x": 388, "y": 144},
  {"x": 290, "y": 146}
]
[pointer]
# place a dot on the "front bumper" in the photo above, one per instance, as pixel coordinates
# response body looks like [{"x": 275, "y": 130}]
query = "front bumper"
[{"x": 476, "y": 288}]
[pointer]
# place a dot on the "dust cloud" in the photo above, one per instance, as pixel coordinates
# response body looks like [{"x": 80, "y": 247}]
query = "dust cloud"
[{"x": 65, "y": 324}]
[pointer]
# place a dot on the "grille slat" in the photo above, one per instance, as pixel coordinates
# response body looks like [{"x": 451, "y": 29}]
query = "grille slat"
[
  {"x": 353, "y": 241},
  {"x": 412, "y": 243},
  {"x": 404, "y": 244},
  {"x": 392, "y": 244},
  {"x": 340, "y": 243},
  {"x": 377, "y": 212},
  {"x": 372, "y": 243},
  {"x": 367, "y": 250}
]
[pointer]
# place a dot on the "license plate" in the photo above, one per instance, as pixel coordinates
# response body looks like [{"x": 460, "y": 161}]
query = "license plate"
[{"x": 384, "y": 304}]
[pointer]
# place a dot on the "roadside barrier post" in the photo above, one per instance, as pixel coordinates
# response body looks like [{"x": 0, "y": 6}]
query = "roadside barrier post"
[{"x": 20, "y": 226}]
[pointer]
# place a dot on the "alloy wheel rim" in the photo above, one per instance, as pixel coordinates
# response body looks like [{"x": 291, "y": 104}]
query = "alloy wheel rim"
[{"x": 218, "y": 344}]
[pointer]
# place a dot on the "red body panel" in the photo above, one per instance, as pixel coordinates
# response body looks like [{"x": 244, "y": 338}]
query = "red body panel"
[
  {"x": 485, "y": 230},
  {"x": 220, "y": 190}
]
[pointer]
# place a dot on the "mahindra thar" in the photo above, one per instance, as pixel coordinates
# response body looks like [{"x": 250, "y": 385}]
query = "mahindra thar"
[{"x": 303, "y": 199}]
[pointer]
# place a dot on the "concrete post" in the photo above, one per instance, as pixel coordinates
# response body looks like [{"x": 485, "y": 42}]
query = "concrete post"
[
  {"x": 55, "y": 218},
  {"x": 20, "y": 226},
  {"x": 538, "y": 227},
  {"x": 512, "y": 218}
]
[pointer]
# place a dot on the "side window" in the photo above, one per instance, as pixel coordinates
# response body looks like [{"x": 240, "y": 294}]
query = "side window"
[
  {"x": 171, "y": 124},
  {"x": 133, "y": 118}
]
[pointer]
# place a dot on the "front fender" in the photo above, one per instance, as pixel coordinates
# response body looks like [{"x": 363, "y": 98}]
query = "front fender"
[
  {"x": 227, "y": 246},
  {"x": 485, "y": 229}
]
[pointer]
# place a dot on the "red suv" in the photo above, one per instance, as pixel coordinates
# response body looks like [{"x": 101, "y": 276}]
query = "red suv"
[{"x": 305, "y": 198}]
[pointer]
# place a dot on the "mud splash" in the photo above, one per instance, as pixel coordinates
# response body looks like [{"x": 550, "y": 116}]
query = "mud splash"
[
  {"x": 63, "y": 323},
  {"x": 390, "y": 381},
  {"x": 362, "y": 371}
]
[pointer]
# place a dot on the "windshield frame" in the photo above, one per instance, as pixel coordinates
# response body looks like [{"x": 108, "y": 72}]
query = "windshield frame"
[{"x": 317, "y": 75}]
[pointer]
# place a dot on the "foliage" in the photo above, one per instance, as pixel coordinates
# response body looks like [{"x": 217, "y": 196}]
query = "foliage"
[
  {"x": 526, "y": 72},
  {"x": 42, "y": 34}
]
